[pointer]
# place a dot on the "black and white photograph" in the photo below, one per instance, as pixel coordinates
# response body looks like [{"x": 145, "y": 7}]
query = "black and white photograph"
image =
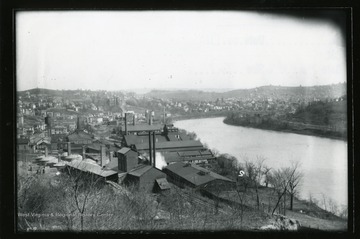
[{"x": 181, "y": 120}]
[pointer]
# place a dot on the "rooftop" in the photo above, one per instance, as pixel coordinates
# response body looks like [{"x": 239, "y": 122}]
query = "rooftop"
[
  {"x": 142, "y": 127},
  {"x": 140, "y": 170},
  {"x": 195, "y": 174},
  {"x": 124, "y": 150},
  {"x": 163, "y": 183},
  {"x": 91, "y": 168},
  {"x": 143, "y": 139},
  {"x": 173, "y": 144},
  {"x": 79, "y": 134}
]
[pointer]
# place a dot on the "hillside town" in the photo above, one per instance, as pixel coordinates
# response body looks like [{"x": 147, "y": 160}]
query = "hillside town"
[{"x": 124, "y": 140}]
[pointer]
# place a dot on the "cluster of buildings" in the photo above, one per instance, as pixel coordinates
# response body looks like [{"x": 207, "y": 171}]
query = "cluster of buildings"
[{"x": 148, "y": 156}]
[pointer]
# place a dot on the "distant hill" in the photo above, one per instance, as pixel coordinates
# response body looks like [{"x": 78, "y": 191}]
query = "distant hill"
[
  {"x": 184, "y": 95},
  {"x": 282, "y": 92},
  {"x": 42, "y": 91},
  {"x": 37, "y": 91},
  {"x": 320, "y": 92}
]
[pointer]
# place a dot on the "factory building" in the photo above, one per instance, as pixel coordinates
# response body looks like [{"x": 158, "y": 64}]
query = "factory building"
[
  {"x": 88, "y": 170},
  {"x": 191, "y": 175},
  {"x": 172, "y": 146},
  {"x": 144, "y": 177}
]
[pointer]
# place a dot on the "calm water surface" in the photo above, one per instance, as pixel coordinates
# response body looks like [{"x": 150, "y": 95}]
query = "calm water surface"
[{"x": 323, "y": 161}]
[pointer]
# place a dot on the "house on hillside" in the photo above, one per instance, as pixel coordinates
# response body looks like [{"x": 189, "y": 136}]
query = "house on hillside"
[
  {"x": 79, "y": 137},
  {"x": 23, "y": 144}
]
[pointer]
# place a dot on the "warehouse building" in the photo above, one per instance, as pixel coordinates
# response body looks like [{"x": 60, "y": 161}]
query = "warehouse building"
[
  {"x": 88, "y": 170},
  {"x": 144, "y": 177},
  {"x": 191, "y": 175}
]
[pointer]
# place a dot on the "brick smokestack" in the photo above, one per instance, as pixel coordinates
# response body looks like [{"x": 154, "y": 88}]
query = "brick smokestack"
[
  {"x": 154, "y": 150},
  {"x": 78, "y": 125},
  {"x": 134, "y": 119},
  {"x": 164, "y": 116},
  {"x": 126, "y": 131},
  {"x": 46, "y": 151},
  {"x": 151, "y": 116},
  {"x": 110, "y": 156},
  {"x": 48, "y": 125},
  {"x": 102, "y": 156},
  {"x": 147, "y": 116},
  {"x": 150, "y": 150},
  {"x": 69, "y": 147},
  {"x": 83, "y": 152}
]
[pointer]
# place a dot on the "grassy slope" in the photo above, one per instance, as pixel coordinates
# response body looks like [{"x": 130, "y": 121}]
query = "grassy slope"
[{"x": 312, "y": 216}]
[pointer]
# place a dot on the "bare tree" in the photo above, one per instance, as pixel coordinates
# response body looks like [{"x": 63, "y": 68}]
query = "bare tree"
[
  {"x": 254, "y": 173},
  {"x": 242, "y": 200},
  {"x": 266, "y": 173},
  {"x": 294, "y": 181},
  {"x": 83, "y": 189},
  {"x": 281, "y": 180}
]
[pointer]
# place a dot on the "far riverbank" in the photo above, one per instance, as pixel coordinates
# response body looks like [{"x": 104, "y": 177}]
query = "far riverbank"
[{"x": 288, "y": 129}]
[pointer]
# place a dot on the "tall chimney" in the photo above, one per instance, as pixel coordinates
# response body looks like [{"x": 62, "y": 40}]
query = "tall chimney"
[
  {"x": 154, "y": 149},
  {"x": 110, "y": 156},
  {"x": 147, "y": 116},
  {"x": 83, "y": 152},
  {"x": 48, "y": 125},
  {"x": 150, "y": 150},
  {"x": 126, "y": 131},
  {"x": 69, "y": 147},
  {"x": 134, "y": 119},
  {"x": 150, "y": 119},
  {"x": 164, "y": 116},
  {"x": 46, "y": 151},
  {"x": 102, "y": 156},
  {"x": 78, "y": 126}
]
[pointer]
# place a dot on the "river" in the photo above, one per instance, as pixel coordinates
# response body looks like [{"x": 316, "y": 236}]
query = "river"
[{"x": 323, "y": 161}]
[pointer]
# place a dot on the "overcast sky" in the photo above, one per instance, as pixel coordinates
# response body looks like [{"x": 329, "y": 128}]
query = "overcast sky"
[{"x": 115, "y": 50}]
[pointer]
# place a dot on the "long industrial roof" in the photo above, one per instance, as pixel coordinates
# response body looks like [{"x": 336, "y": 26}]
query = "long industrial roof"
[
  {"x": 172, "y": 144},
  {"x": 91, "y": 168},
  {"x": 195, "y": 174},
  {"x": 142, "y": 127},
  {"x": 140, "y": 170}
]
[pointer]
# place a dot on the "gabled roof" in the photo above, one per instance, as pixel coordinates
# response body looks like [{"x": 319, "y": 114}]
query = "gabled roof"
[
  {"x": 163, "y": 183},
  {"x": 58, "y": 138},
  {"x": 91, "y": 168},
  {"x": 143, "y": 139},
  {"x": 124, "y": 150},
  {"x": 134, "y": 139},
  {"x": 43, "y": 140},
  {"x": 172, "y": 144},
  {"x": 195, "y": 174},
  {"x": 79, "y": 135},
  {"x": 113, "y": 164},
  {"x": 142, "y": 128},
  {"x": 183, "y": 156},
  {"x": 140, "y": 170},
  {"x": 22, "y": 141}
]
